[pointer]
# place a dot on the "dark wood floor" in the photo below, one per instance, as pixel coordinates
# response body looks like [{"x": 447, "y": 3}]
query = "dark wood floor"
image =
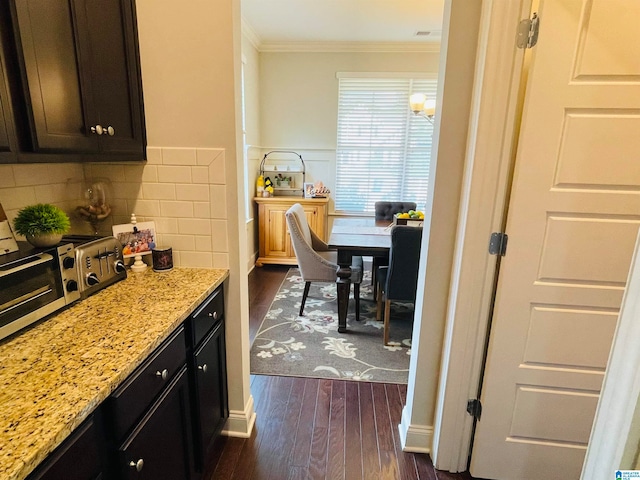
[{"x": 315, "y": 428}]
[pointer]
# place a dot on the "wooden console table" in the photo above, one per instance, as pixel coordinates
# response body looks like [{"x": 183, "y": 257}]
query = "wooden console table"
[{"x": 275, "y": 244}]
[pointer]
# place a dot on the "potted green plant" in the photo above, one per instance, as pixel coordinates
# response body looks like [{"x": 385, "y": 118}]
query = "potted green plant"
[{"x": 42, "y": 224}]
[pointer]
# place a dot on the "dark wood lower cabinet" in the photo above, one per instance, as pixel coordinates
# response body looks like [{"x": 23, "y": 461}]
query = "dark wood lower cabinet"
[
  {"x": 210, "y": 394},
  {"x": 160, "y": 446},
  {"x": 161, "y": 422},
  {"x": 80, "y": 457}
]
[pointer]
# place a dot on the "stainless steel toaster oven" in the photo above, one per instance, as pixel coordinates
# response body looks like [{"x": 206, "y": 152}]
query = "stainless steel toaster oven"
[{"x": 35, "y": 283}]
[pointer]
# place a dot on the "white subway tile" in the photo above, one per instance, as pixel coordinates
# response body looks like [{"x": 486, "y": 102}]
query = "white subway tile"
[
  {"x": 207, "y": 156},
  {"x": 176, "y": 209},
  {"x": 201, "y": 209},
  {"x": 150, "y": 173},
  {"x": 177, "y": 242},
  {"x": 154, "y": 156},
  {"x": 53, "y": 193},
  {"x": 217, "y": 170},
  {"x": 176, "y": 258},
  {"x": 6, "y": 176},
  {"x": 126, "y": 190},
  {"x": 115, "y": 173},
  {"x": 203, "y": 243},
  {"x": 194, "y": 226},
  {"x": 196, "y": 259},
  {"x": 158, "y": 191},
  {"x": 44, "y": 174},
  {"x": 171, "y": 174},
  {"x": 220, "y": 260},
  {"x": 140, "y": 207},
  {"x": 178, "y": 156},
  {"x": 219, "y": 236},
  {"x": 167, "y": 225},
  {"x": 192, "y": 192},
  {"x": 218, "y": 195},
  {"x": 17, "y": 197},
  {"x": 200, "y": 174}
]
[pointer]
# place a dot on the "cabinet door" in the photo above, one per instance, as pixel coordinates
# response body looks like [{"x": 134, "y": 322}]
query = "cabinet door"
[
  {"x": 211, "y": 391},
  {"x": 78, "y": 458},
  {"x": 108, "y": 41},
  {"x": 276, "y": 237},
  {"x": 59, "y": 105},
  {"x": 160, "y": 447}
]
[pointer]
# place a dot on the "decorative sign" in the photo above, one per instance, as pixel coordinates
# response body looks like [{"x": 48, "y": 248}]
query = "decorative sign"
[{"x": 7, "y": 240}]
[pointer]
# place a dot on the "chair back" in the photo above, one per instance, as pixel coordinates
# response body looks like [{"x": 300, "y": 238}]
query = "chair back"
[
  {"x": 386, "y": 210},
  {"x": 404, "y": 258},
  {"x": 296, "y": 214}
]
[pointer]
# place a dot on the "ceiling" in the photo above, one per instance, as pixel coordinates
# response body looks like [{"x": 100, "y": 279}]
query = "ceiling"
[{"x": 297, "y": 22}]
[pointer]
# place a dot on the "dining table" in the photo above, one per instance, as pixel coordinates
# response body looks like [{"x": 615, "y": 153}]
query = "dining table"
[{"x": 356, "y": 236}]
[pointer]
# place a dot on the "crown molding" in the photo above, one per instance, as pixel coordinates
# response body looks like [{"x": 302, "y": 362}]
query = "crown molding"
[
  {"x": 349, "y": 47},
  {"x": 250, "y": 33}
]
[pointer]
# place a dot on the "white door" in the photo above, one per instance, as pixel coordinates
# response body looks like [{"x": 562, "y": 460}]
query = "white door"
[{"x": 572, "y": 222}]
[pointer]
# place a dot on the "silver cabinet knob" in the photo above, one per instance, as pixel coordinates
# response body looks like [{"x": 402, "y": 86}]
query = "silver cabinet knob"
[
  {"x": 97, "y": 129},
  {"x": 213, "y": 315},
  {"x": 203, "y": 368},
  {"x": 111, "y": 131},
  {"x": 164, "y": 374},
  {"x": 137, "y": 465}
]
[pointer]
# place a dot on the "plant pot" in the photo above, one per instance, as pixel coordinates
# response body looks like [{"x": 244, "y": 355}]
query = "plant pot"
[{"x": 44, "y": 239}]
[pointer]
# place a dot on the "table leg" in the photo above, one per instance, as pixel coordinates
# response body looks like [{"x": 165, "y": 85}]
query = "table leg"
[{"x": 343, "y": 287}]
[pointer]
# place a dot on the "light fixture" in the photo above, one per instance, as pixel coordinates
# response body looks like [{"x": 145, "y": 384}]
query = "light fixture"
[{"x": 422, "y": 106}]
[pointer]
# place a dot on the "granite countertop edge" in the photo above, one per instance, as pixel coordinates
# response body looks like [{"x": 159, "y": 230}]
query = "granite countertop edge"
[{"x": 55, "y": 374}]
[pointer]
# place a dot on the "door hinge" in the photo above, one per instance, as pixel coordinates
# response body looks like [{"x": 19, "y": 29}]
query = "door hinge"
[
  {"x": 498, "y": 244},
  {"x": 528, "y": 32},
  {"x": 474, "y": 408}
]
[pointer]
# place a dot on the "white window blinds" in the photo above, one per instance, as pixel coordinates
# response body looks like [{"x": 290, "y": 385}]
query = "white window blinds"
[{"x": 383, "y": 149}]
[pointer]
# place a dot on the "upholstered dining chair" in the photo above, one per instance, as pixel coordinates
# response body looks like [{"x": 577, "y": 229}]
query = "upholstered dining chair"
[
  {"x": 399, "y": 280},
  {"x": 317, "y": 263},
  {"x": 386, "y": 211}
]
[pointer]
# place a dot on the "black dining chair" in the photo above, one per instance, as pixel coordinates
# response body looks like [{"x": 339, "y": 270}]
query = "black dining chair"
[
  {"x": 398, "y": 281},
  {"x": 386, "y": 211}
]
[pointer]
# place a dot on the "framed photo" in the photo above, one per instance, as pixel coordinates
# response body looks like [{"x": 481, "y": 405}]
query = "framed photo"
[
  {"x": 308, "y": 190},
  {"x": 138, "y": 239}
]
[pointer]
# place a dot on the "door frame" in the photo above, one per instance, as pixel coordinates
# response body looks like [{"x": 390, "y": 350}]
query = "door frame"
[
  {"x": 491, "y": 148},
  {"x": 500, "y": 74}
]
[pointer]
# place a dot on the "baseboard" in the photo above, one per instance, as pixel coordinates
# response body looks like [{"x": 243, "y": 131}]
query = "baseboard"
[
  {"x": 414, "y": 438},
  {"x": 240, "y": 422}
]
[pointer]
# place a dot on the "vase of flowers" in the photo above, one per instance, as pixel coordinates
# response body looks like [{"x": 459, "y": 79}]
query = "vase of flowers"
[{"x": 42, "y": 225}]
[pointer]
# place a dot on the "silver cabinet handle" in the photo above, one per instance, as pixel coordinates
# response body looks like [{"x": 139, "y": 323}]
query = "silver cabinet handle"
[
  {"x": 164, "y": 374},
  {"x": 137, "y": 465},
  {"x": 203, "y": 368},
  {"x": 97, "y": 129},
  {"x": 111, "y": 131},
  {"x": 213, "y": 315}
]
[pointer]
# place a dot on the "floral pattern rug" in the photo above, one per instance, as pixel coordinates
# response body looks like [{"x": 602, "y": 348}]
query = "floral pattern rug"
[{"x": 310, "y": 345}]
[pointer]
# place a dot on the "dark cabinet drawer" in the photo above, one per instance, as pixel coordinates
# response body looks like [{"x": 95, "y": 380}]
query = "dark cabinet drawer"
[
  {"x": 207, "y": 315},
  {"x": 128, "y": 403},
  {"x": 160, "y": 447}
]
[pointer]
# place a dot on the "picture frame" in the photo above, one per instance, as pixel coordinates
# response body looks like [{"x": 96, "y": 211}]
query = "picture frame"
[
  {"x": 138, "y": 239},
  {"x": 308, "y": 190}
]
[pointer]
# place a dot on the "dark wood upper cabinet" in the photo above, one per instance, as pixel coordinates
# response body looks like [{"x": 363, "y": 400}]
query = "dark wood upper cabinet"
[{"x": 79, "y": 70}]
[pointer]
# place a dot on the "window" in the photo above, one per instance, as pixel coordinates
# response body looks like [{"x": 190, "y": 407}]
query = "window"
[{"x": 383, "y": 149}]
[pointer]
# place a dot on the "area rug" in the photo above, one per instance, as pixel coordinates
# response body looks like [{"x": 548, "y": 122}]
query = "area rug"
[{"x": 310, "y": 346}]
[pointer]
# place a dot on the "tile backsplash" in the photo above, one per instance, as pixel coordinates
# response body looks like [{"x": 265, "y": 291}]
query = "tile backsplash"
[{"x": 183, "y": 190}]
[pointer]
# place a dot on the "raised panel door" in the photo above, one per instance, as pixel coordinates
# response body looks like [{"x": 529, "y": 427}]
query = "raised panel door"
[{"x": 160, "y": 447}]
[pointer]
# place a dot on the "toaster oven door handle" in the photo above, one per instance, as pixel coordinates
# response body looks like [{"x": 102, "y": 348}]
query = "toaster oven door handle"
[
  {"x": 39, "y": 258},
  {"x": 4, "y": 308}
]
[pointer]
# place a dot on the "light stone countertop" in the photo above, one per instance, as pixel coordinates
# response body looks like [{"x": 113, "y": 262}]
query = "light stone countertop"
[{"x": 53, "y": 375}]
